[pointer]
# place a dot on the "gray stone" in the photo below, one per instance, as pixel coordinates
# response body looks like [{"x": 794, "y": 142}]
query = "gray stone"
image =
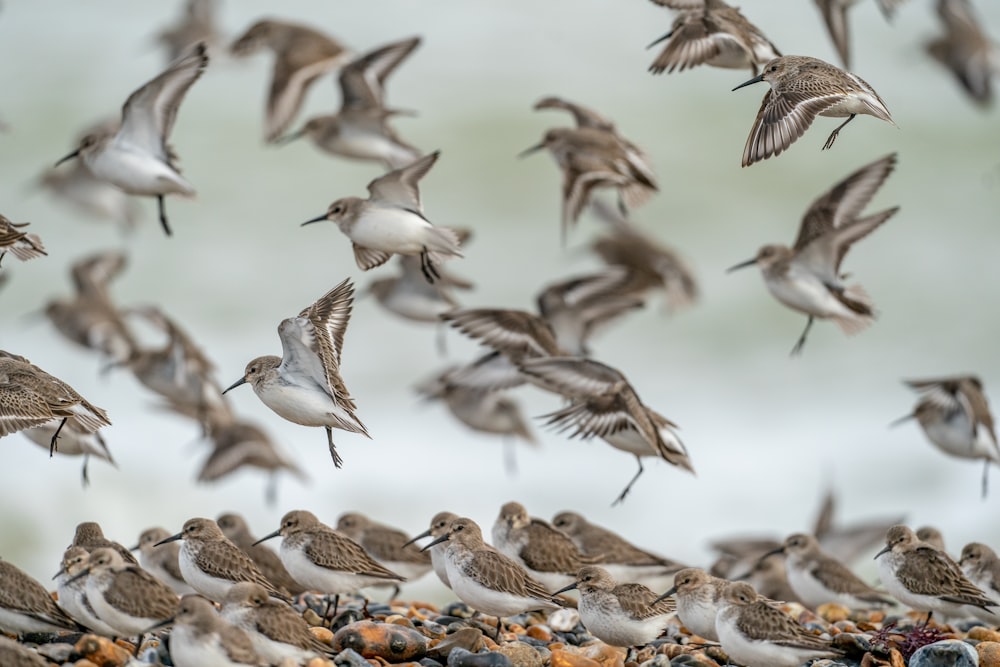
[{"x": 947, "y": 653}]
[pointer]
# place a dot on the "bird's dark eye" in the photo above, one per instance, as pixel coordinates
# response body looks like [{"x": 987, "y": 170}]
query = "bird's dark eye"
[
  {"x": 774, "y": 68},
  {"x": 458, "y": 528}
]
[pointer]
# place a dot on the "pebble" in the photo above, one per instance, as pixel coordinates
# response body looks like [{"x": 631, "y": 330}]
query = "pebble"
[
  {"x": 462, "y": 658},
  {"x": 947, "y": 653},
  {"x": 989, "y": 654},
  {"x": 522, "y": 654},
  {"x": 983, "y": 634},
  {"x": 467, "y": 639},
  {"x": 371, "y": 639}
]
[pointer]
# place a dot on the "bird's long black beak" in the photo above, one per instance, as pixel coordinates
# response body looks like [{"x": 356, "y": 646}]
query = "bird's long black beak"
[
  {"x": 79, "y": 575},
  {"x": 62, "y": 570},
  {"x": 886, "y": 549},
  {"x": 172, "y": 538},
  {"x": 135, "y": 548},
  {"x": 443, "y": 538},
  {"x": 289, "y": 138},
  {"x": 660, "y": 39},
  {"x": 319, "y": 218},
  {"x": 672, "y": 591},
  {"x": 162, "y": 624},
  {"x": 772, "y": 552},
  {"x": 571, "y": 587},
  {"x": 901, "y": 420},
  {"x": 269, "y": 536},
  {"x": 426, "y": 533},
  {"x": 72, "y": 155},
  {"x": 756, "y": 79},
  {"x": 534, "y": 149},
  {"x": 234, "y": 385},
  {"x": 742, "y": 265}
]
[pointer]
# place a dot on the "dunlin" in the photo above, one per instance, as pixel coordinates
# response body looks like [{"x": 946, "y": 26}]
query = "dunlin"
[
  {"x": 807, "y": 276},
  {"x": 604, "y": 404},
  {"x": 801, "y": 89},
  {"x": 325, "y": 560},
  {"x": 22, "y": 245},
  {"x": 391, "y": 222},
  {"x": 72, "y": 442},
  {"x": 90, "y": 536},
  {"x": 710, "y": 32},
  {"x": 304, "y": 385},
  {"x": 72, "y": 592},
  {"x": 487, "y": 580},
  {"x": 301, "y": 55},
  {"x": 835, "y": 17},
  {"x": 163, "y": 562},
  {"x": 198, "y": 23},
  {"x": 31, "y": 397},
  {"x": 268, "y": 562},
  {"x": 361, "y": 129},
  {"x": 211, "y": 563},
  {"x": 137, "y": 158},
  {"x": 548, "y": 554},
  {"x": 982, "y": 566},
  {"x": 123, "y": 595},
  {"x": 439, "y": 526},
  {"x": 387, "y": 545},
  {"x": 698, "y": 595},
  {"x": 955, "y": 416},
  {"x": 201, "y": 638},
  {"x": 619, "y": 614},
  {"x": 623, "y": 560},
  {"x": 13, "y": 654},
  {"x": 25, "y": 605},
  {"x": 931, "y": 536},
  {"x": 755, "y": 633},
  {"x": 409, "y": 295},
  {"x": 818, "y": 578},
  {"x": 276, "y": 630},
  {"x": 966, "y": 50},
  {"x": 925, "y": 578}
]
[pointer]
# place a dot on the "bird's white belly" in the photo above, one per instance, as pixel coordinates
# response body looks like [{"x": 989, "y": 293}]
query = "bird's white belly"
[
  {"x": 955, "y": 437},
  {"x": 483, "y": 599},
  {"x": 852, "y": 103},
  {"x": 122, "y": 623},
  {"x": 317, "y": 578},
  {"x": 732, "y": 54},
  {"x": 440, "y": 565},
  {"x": 16, "y": 623},
  {"x": 631, "y": 441},
  {"x": 808, "y": 589},
  {"x": 391, "y": 229},
  {"x": 804, "y": 292},
  {"x": 613, "y": 627},
  {"x": 186, "y": 650},
  {"x": 698, "y": 616},
  {"x": 753, "y": 653},
  {"x": 211, "y": 587},
  {"x": 308, "y": 406},
  {"x": 137, "y": 173}
]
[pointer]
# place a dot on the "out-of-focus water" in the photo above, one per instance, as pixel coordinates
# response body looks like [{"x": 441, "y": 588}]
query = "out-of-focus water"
[{"x": 766, "y": 433}]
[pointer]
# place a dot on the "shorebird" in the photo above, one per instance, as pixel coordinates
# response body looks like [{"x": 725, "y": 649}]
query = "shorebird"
[
  {"x": 163, "y": 561},
  {"x": 361, "y": 128},
  {"x": 197, "y": 24},
  {"x": 440, "y": 523},
  {"x": 391, "y": 222},
  {"x": 31, "y": 397},
  {"x": 487, "y": 580},
  {"x": 602, "y": 403},
  {"x": 835, "y": 17},
  {"x": 801, "y": 89},
  {"x": 931, "y": 536},
  {"x": 955, "y": 416},
  {"x": 72, "y": 442},
  {"x": 90, "y": 536},
  {"x": 72, "y": 592},
  {"x": 710, "y": 32},
  {"x": 25, "y": 605},
  {"x": 301, "y": 55},
  {"x": 304, "y": 385},
  {"x": 807, "y": 276},
  {"x": 22, "y": 245},
  {"x": 201, "y": 638},
  {"x": 698, "y": 595},
  {"x": 619, "y": 614},
  {"x": 389, "y": 546},
  {"x": 137, "y": 158},
  {"x": 980, "y": 564},
  {"x": 267, "y": 561},
  {"x": 275, "y": 629},
  {"x": 966, "y": 50}
]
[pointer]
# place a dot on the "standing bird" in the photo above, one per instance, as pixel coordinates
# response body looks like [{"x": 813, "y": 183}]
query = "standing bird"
[
  {"x": 276, "y": 630},
  {"x": 268, "y": 562},
  {"x": 304, "y": 385},
  {"x": 361, "y": 129},
  {"x": 835, "y": 17},
  {"x": 389, "y": 546},
  {"x": 801, "y": 89},
  {"x": 955, "y": 416},
  {"x": 163, "y": 561},
  {"x": 90, "y": 536},
  {"x": 201, "y": 638},
  {"x": 440, "y": 523},
  {"x": 25, "y": 605},
  {"x": 137, "y": 158},
  {"x": 22, "y": 245},
  {"x": 72, "y": 592},
  {"x": 980, "y": 564},
  {"x": 698, "y": 595},
  {"x": 391, "y": 221},
  {"x": 807, "y": 277},
  {"x": 966, "y": 50},
  {"x": 711, "y": 32}
]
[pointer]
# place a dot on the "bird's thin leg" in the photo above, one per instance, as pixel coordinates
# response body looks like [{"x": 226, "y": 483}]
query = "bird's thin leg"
[
  {"x": 833, "y": 135},
  {"x": 337, "y": 461},
  {"x": 163, "y": 215},
  {"x": 364, "y": 608},
  {"x": 427, "y": 266},
  {"x": 442, "y": 341},
  {"x": 55, "y": 437},
  {"x": 509, "y": 456},
  {"x": 986, "y": 477},
  {"x": 496, "y": 637},
  {"x": 622, "y": 208},
  {"x": 395, "y": 592},
  {"x": 628, "y": 487},
  {"x": 86, "y": 478},
  {"x": 797, "y": 350},
  {"x": 138, "y": 645},
  {"x": 271, "y": 490},
  {"x": 928, "y": 619}
]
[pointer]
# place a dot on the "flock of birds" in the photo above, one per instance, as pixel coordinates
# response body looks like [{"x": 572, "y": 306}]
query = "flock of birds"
[{"x": 530, "y": 562}]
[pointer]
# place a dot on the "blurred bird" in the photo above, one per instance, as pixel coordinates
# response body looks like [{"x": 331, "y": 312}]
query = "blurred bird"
[
  {"x": 72, "y": 442},
  {"x": 966, "y": 50},
  {"x": 22, "y": 245},
  {"x": 197, "y": 24},
  {"x": 389, "y": 546},
  {"x": 835, "y": 17},
  {"x": 234, "y": 526}
]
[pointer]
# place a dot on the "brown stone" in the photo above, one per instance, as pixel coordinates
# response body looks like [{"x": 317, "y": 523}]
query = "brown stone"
[
  {"x": 521, "y": 654},
  {"x": 563, "y": 658},
  {"x": 896, "y": 658},
  {"x": 101, "y": 651},
  {"x": 606, "y": 656},
  {"x": 539, "y": 632},
  {"x": 322, "y": 634},
  {"x": 395, "y": 643},
  {"x": 989, "y": 653},
  {"x": 983, "y": 634},
  {"x": 831, "y": 613}
]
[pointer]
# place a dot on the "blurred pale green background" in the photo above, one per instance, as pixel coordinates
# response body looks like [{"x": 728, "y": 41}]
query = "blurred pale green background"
[{"x": 766, "y": 433}]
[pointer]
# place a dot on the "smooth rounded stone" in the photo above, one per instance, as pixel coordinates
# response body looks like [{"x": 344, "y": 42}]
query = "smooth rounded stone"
[
  {"x": 831, "y": 612},
  {"x": 539, "y": 632},
  {"x": 312, "y": 618},
  {"x": 448, "y": 620},
  {"x": 432, "y": 629},
  {"x": 602, "y": 653},
  {"x": 984, "y": 634},
  {"x": 947, "y": 653},
  {"x": 531, "y": 641},
  {"x": 853, "y": 644},
  {"x": 663, "y": 661},
  {"x": 459, "y": 657},
  {"x": 468, "y": 639},
  {"x": 397, "y": 619},
  {"x": 564, "y": 658},
  {"x": 325, "y": 635},
  {"x": 395, "y": 643},
  {"x": 458, "y": 609},
  {"x": 345, "y": 618},
  {"x": 989, "y": 654},
  {"x": 56, "y": 651},
  {"x": 689, "y": 660},
  {"x": 350, "y": 658},
  {"x": 564, "y": 620},
  {"x": 101, "y": 650},
  {"x": 379, "y": 608},
  {"x": 430, "y": 662},
  {"x": 521, "y": 654}
]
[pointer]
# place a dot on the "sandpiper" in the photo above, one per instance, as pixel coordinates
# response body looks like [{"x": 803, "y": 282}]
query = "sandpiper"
[
  {"x": 72, "y": 442},
  {"x": 391, "y": 221},
  {"x": 548, "y": 554},
  {"x": 163, "y": 562},
  {"x": 835, "y": 17},
  {"x": 31, "y": 397},
  {"x": 325, "y": 560},
  {"x": 955, "y": 416},
  {"x": 710, "y": 32},
  {"x": 90, "y": 536},
  {"x": 389, "y": 546},
  {"x": 623, "y": 560},
  {"x": 304, "y": 385},
  {"x": 931, "y": 536},
  {"x": 72, "y": 592},
  {"x": 439, "y": 526},
  {"x": 197, "y": 24},
  {"x": 487, "y": 580},
  {"x": 755, "y": 633},
  {"x": 201, "y": 638},
  {"x": 25, "y": 605},
  {"x": 925, "y": 578},
  {"x": 966, "y": 50},
  {"x": 980, "y": 564},
  {"x": 301, "y": 55},
  {"x": 361, "y": 128},
  {"x": 268, "y": 562},
  {"x": 698, "y": 595},
  {"x": 769, "y": 577},
  {"x": 604, "y": 404},
  {"x": 817, "y": 578},
  {"x": 276, "y": 630},
  {"x": 22, "y": 245},
  {"x": 211, "y": 564},
  {"x": 807, "y": 276},
  {"x": 619, "y": 614},
  {"x": 801, "y": 89},
  {"x": 137, "y": 158},
  {"x": 14, "y": 654},
  {"x": 409, "y": 295},
  {"x": 123, "y": 595}
]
